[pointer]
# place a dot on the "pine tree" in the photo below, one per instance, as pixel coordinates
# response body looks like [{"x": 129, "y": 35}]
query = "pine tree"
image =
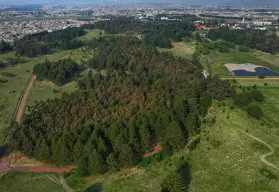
[
  {"x": 113, "y": 163},
  {"x": 96, "y": 164},
  {"x": 145, "y": 137},
  {"x": 173, "y": 183},
  {"x": 126, "y": 156},
  {"x": 77, "y": 150},
  {"x": 82, "y": 169},
  {"x": 174, "y": 136}
]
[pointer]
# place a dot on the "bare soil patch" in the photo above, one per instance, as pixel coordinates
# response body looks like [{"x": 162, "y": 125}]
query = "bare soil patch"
[
  {"x": 248, "y": 67},
  {"x": 156, "y": 150}
]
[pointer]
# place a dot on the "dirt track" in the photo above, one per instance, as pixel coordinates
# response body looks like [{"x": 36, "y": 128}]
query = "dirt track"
[
  {"x": 5, "y": 161},
  {"x": 24, "y": 99}
]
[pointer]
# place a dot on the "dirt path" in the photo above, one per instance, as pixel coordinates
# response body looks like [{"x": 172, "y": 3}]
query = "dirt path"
[
  {"x": 264, "y": 156},
  {"x": 64, "y": 184},
  {"x": 24, "y": 99},
  {"x": 61, "y": 182}
]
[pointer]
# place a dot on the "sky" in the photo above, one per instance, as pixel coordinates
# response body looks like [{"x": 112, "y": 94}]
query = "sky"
[{"x": 267, "y": 2}]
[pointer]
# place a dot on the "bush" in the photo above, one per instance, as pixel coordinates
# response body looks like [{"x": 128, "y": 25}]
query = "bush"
[
  {"x": 241, "y": 100},
  {"x": 257, "y": 95},
  {"x": 243, "y": 48},
  {"x": 255, "y": 111},
  {"x": 261, "y": 77}
]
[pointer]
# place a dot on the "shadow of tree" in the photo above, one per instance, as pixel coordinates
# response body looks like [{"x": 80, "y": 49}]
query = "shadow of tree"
[
  {"x": 3, "y": 150},
  {"x": 97, "y": 187},
  {"x": 185, "y": 172}
]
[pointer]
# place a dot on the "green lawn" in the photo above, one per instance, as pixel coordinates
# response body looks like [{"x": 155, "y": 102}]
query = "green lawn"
[{"x": 28, "y": 182}]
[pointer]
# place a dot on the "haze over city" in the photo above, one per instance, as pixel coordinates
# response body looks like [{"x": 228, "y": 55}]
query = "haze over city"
[{"x": 22, "y": 2}]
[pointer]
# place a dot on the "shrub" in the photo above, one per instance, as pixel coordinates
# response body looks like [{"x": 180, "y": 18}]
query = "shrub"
[
  {"x": 257, "y": 95},
  {"x": 243, "y": 48},
  {"x": 255, "y": 111},
  {"x": 261, "y": 77},
  {"x": 241, "y": 100}
]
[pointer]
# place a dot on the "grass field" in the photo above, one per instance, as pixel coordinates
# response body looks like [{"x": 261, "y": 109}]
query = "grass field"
[
  {"x": 28, "y": 182},
  {"x": 181, "y": 49},
  {"x": 90, "y": 35},
  {"x": 229, "y": 160},
  {"x": 42, "y": 91}
]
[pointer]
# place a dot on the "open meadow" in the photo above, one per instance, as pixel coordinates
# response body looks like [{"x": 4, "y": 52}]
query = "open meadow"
[
  {"x": 27, "y": 182},
  {"x": 181, "y": 49}
]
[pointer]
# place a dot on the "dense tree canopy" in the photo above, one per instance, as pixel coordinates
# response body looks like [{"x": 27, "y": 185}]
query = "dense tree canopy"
[
  {"x": 157, "y": 33},
  {"x": 60, "y": 72},
  {"x": 255, "y": 39},
  {"x": 135, "y": 98},
  {"x": 41, "y": 43},
  {"x": 5, "y": 47}
]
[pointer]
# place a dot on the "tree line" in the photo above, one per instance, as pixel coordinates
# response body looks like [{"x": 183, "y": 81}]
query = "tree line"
[
  {"x": 59, "y": 72},
  {"x": 157, "y": 33},
  {"x": 11, "y": 61},
  {"x": 136, "y": 98},
  {"x": 5, "y": 47},
  {"x": 41, "y": 43},
  {"x": 255, "y": 39}
]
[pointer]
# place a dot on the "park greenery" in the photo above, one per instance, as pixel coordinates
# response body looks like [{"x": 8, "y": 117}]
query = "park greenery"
[
  {"x": 133, "y": 97},
  {"x": 5, "y": 47},
  {"x": 42, "y": 43},
  {"x": 144, "y": 97},
  {"x": 256, "y": 39},
  {"x": 11, "y": 61},
  {"x": 59, "y": 72}
]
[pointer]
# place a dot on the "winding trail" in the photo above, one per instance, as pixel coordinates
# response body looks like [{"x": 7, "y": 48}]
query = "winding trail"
[
  {"x": 24, "y": 99},
  {"x": 264, "y": 156}
]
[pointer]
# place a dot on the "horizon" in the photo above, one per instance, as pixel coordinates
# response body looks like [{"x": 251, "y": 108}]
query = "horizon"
[{"x": 121, "y": 2}]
